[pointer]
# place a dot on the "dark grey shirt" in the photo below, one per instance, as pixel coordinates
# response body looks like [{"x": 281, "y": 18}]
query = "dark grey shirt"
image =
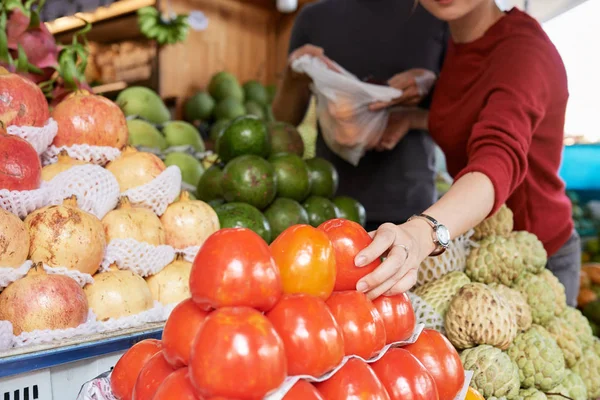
[{"x": 378, "y": 39}]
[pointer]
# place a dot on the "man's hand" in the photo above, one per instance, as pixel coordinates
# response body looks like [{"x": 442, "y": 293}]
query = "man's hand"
[
  {"x": 400, "y": 122},
  {"x": 415, "y": 85},
  {"x": 313, "y": 51}
]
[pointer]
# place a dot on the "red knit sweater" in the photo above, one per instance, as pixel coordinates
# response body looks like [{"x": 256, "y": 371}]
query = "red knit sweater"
[{"x": 499, "y": 109}]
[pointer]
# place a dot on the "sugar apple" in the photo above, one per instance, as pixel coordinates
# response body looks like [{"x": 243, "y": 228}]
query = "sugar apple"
[
  {"x": 495, "y": 260},
  {"x": 567, "y": 339},
  {"x": 494, "y": 374},
  {"x": 439, "y": 293},
  {"x": 531, "y": 394},
  {"x": 572, "y": 387},
  {"x": 499, "y": 224},
  {"x": 478, "y": 315},
  {"x": 453, "y": 259},
  {"x": 539, "y": 295},
  {"x": 588, "y": 368},
  {"x": 532, "y": 251},
  {"x": 426, "y": 315},
  {"x": 539, "y": 359},
  {"x": 559, "y": 291},
  {"x": 580, "y": 324},
  {"x": 517, "y": 302}
]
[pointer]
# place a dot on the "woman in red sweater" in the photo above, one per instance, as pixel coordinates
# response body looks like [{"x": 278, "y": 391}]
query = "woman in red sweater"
[{"x": 498, "y": 114}]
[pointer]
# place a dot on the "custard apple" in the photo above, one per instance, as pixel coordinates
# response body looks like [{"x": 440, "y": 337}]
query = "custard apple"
[
  {"x": 572, "y": 387},
  {"x": 531, "y": 394},
  {"x": 566, "y": 338},
  {"x": 495, "y": 260},
  {"x": 425, "y": 314},
  {"x": 539, "y": 359},
  {"x": 499, "y": 224},
  {"x": 439, "y": 293},
  {"x": 588, "y": 368},
  {"x": 532, "y": 251},
  {"x": 478, "y": 315},
  {"x": 517, "y": 302},
  {"x": 580, "y": 324},
  {"x": 539, "y": 295},
  {"x": 494, "y": 374},
  {"x": 559, "y": 291}
]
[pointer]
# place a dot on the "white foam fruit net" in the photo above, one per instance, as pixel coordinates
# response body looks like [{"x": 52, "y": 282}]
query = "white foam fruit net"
[
  {"x": 39, "y": 137},
  {"x": 159, "y": 193},
  {"x": 6, "y": 335},
  {"x": 96, "y": 189},
  {"x": 23, "y": 202},
  {"x": 453, "y": 259},
  {"x": 141, "y": 258},
  {"x": 9, "y": 275},
  {"x": 425, "y": 314},
  {"x": 189, "y": 253},
  {"x": 99, "y": 155},
  {"x": 81, "y": 278}
]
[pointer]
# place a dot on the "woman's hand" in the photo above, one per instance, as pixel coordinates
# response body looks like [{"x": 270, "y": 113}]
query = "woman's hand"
[
  {"x": 405, "y": 247},
  {"x": 415, "y": 85}
]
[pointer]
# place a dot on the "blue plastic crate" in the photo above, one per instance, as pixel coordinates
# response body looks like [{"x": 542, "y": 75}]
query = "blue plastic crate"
[{"x": 580, "y": 167}]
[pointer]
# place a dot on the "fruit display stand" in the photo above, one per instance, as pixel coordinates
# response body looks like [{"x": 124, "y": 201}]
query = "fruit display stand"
[{"x": 55, "y": 371}]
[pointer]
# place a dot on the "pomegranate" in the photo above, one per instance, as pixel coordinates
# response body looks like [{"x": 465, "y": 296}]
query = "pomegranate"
[
  {"x": 66, "y": 236},
  {"x": 43, "y": 301},
  {"x": 20, "y": 167},
  {"x": 127, "y": 222},
  {"x": 64, "y": 163},
  {"x": 172, "y": 284},
  {"x": 14, "y": 240},
  {"x": 117, "y": 293},
  {"x": 135, "y": 168},
  {"x": 189, "y": 222},
  {"x": 86, "y": 118},
  {"x": 22, "y": 102}
]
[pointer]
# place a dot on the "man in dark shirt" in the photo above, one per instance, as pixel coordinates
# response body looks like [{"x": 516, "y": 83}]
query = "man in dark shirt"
[{"x": 376, "y": 40}]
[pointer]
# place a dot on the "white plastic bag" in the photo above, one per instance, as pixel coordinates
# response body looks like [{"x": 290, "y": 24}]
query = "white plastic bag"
[{"x": 347, "y": 124}]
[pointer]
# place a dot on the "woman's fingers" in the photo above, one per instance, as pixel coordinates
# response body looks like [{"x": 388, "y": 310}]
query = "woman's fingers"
[
  {"x": 404, "y": 284},
  {"x": 383, "y": 240},
  {"x": 385, "y": 276}
]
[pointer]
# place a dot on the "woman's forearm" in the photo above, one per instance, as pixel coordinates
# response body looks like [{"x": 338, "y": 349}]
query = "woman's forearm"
[
  {"x": 292, "y": 99},
  {"x": 467, "y": 203}
]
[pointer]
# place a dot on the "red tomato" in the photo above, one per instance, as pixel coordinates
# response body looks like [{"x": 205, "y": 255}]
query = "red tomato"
[
  {"x": 152, "y": 374},
  {"x": 398, "y": 316},
  {"x": 348, "y": 238},
  {"x": 127, "y": 369},
  {"x": 303, "y": 390},
  {"x": 362, "y": 326},
  {"x": 355, "y": 380},
  {"x": 440, "y": 358},
  {"x": 312, "y": 339},
  {"x": 234, "y": 267},
  {"x": 176, "y": 386},
  {"x": 237, "y": 354},
  {"x": 404, "y": 377},
  {"x": 306, "y": 260},
  {"x": 180, "y": 330}
]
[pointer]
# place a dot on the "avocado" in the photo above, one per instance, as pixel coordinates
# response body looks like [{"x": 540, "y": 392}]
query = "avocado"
[
  {"x": 181, "y": 133},
  {"x": 229, "y": 108},
  {"x": 320, "y": 209},
  {"x": 283, "y": 213},
  {"x": 199, "y": 107},
  {"x": 243, "y": 136},
  {"x": 217, "y": 128},
  {"x": 256, "y": 92},
  {"x": 223, "y": 85},
  {"x": 592, "y": 311},
  {"x": 242, "y": 215},
  {"x": 285, "y": 138},
  {"x": 292, "y": 176},
  {"x": 253, "y": 108},
  {"x": 143, "y": 102},
  {"x": 249, "y": 179},
  {"x": 191, "y": 168},
  {"x": 144, "y": 134},
  {"x": 209, "y": 186},
  {"x": 351, "y": 209},
  {"x": 323, "y": 176}
]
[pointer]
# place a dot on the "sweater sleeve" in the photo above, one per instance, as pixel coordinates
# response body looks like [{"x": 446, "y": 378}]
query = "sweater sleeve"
[{"x": 519, "y": 87}]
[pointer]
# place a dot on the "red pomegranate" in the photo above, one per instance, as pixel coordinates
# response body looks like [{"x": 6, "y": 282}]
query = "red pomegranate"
[
  {"x": 43, "y": 301},
  {"x": 20, "y": 167},
  {"x": 22, "y": 102},
  {"x": 86, "y": 118}
]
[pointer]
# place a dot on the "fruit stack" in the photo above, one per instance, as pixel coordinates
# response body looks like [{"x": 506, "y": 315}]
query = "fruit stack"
[
  {"x": 507, "y": 315},
  {"x": 261, "y": 316}
]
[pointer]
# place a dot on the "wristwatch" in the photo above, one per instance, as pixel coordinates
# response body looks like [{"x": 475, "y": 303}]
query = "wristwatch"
[{"x": 441, "y": 234}]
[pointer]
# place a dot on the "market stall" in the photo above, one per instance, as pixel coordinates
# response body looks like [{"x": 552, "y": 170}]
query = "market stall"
[{"x": 124, "y": 271}]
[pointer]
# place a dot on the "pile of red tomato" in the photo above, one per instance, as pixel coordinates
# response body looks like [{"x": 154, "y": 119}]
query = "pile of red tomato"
[{"x": 261, "y": 313}]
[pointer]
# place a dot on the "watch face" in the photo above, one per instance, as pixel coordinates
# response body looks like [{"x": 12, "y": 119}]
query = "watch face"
[{"x": 443, "y": 235}]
